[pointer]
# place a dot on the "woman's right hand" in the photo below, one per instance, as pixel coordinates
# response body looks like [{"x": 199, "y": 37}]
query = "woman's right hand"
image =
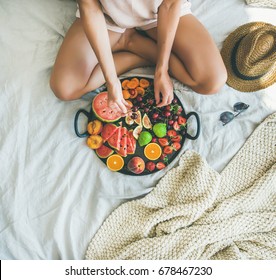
[{"x": 115, "y": 97}]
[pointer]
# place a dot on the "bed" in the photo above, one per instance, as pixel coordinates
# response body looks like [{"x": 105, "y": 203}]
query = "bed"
[{"x": 54, "y": 192}]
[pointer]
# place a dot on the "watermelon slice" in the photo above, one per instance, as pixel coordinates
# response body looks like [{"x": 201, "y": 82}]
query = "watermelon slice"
[
  {"x": 101, "y": 109},
  {"x": 131, "y": 145},
  {"x": 123, "y": 143},
  {"x": 104, "y": 152},
  {"x": 108, "y": 130},
  {"x": 115, "y": 139}
]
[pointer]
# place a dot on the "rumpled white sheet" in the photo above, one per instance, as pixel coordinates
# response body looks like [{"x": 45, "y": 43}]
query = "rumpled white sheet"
[{"x": 54, "y": 192}]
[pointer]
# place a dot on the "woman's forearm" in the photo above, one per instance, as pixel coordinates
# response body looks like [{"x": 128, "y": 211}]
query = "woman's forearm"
[
  {"x": 168, "y": 19},
  {"x": 95, "y": 29}
]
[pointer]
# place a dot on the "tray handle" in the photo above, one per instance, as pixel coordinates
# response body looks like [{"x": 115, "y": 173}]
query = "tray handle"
[
  {"x": 84, "y": 134},
  {"x": 198, "y": 126}
]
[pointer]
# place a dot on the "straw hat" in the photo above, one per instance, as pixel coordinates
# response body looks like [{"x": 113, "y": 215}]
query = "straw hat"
[{"x": 249, "y": 54}]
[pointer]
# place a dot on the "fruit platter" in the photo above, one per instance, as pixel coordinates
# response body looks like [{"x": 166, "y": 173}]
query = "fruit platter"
[{"x": 144, "y": 141}]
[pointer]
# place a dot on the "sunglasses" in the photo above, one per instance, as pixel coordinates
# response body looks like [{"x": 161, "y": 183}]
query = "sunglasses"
[{"x": 227, "y": 117}]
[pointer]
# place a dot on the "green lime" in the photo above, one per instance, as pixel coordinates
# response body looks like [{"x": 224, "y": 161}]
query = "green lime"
[
  {"x": 144, "y": 138},
  {"x": 160, "y": 129}
]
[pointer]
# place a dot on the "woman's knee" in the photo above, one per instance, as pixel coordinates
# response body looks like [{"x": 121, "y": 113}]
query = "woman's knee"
[
  {"x": 211, "y": 83},
  {"x": 61, "y": 89}
]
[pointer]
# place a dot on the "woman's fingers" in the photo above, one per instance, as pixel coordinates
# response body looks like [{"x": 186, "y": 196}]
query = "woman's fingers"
[{"x": 157, "y": 95}]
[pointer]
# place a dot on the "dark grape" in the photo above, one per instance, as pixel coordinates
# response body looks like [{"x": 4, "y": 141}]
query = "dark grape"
[
  {"x": 174, "y": 101},
  {"x": 139, "y": 98},
  {"x": 134, "y": 116},
  {"x": 146, "y": 110},
  {"x": 175, "y": 117},
  {"x": 135, "y": 108}
]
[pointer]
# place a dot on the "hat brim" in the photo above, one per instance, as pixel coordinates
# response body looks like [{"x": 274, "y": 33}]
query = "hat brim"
[{"x": 226, "y": 52}]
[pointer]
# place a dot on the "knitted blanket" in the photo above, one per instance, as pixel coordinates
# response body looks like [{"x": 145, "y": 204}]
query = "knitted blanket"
[{"x": 196, "y": 213}]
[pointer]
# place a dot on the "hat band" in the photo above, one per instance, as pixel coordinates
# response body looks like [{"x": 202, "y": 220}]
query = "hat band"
[{"x": 235, "y": 68}]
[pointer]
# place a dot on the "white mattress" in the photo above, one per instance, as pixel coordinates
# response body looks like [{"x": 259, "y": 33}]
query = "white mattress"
[{"x": 54, "y": 191}]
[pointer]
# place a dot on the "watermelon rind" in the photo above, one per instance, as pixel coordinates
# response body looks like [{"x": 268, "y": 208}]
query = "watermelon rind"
[
  {"x": 99, "y": 105},
  {"x": 104, "y": 152}
]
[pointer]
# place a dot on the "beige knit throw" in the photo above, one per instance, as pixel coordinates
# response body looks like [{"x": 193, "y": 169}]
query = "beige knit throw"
[{"x": 196, "y": 213}]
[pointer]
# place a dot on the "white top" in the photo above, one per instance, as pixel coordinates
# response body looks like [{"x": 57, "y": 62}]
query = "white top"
[{"x": 122, "y": 14}]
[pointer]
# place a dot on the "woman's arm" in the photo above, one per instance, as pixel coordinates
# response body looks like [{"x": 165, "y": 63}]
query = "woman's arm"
[
  {"x": 168, "y": 19},
  {"x": 94, "y": 26}
]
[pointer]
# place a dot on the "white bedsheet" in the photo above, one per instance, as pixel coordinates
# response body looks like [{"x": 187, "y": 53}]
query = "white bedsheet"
[{"x": 54, "y": 192}]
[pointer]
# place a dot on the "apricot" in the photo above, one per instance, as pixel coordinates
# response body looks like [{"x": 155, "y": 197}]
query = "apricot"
[
  {"x": 94, "y": 142},
  {"x": 126, "y": 94},
  {"x": 95, "y": 127},
  {"x": 133, "y": 93},
  {"x": 124, "y": 84},
  {"x": 144, "y": 83},
  {"x": 135, "y": 80},
  {"x": 133, "y": 84},
  {"x": 140, "y": 90}
]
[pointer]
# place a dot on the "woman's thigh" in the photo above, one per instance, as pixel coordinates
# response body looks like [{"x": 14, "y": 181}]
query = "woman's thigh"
[
  {"x": 75, "y": 61},
  {"x": 196, "y": 49}
]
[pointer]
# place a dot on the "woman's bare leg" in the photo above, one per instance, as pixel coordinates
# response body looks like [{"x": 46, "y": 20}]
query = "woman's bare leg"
[
  {"x": 195, "y": 59},
  {"x": 76, "y": 70},
  {"x": 200, "y": 56}
]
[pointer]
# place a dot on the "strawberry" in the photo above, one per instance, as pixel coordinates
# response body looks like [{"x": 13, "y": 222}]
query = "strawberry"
[
  {"x": 171, "y": 133},
  {"x": 176, "y": 138},
  {"x": 160, "y": 165},
  {"x": 163, "y": 142},
  {"x": 181, "y": 120},
  {"x": 176, "y": 146},
  {"x": 176, "y": 126},
  {"x": 168, "y": 150}
]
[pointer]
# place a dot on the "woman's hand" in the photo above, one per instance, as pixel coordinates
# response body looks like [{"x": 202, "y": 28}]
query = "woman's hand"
[
  {"x": 163, "y": 87},
  {"x": 115, "y": 97}
]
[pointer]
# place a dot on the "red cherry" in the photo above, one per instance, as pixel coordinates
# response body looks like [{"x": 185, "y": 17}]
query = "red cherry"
[
  {"x": 160, "y": 165},
  {"x": 167, "y": 113},
  {"x": 155, "y": 116}
]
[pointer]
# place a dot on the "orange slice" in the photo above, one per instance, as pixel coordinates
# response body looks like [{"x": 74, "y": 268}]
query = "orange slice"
[
  {"x": 115, "y": 162},
  {"x": 152, "y": 151}
]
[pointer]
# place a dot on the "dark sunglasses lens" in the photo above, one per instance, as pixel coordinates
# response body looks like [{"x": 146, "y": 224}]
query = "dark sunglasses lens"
[
  {"x": 240, "y": 106},
  {"x": 226, "y": 117}
]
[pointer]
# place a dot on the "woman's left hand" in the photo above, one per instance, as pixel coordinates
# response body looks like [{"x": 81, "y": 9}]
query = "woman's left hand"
[{"x": 163, "y": 88}]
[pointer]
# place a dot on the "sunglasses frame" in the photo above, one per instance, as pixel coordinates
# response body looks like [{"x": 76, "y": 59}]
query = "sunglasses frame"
[{"x": 236, "y": 109}]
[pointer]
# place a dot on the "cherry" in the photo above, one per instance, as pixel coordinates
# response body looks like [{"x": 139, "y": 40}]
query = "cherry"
[
  {"x": 134, "y": 116},
  {"x": 167, "y": 114},
  {"x": 150, "y": 101},
  {"x": 155, "y": 115},
  {"x": 175, "y": 117},
  {"x": 174, "y": 101},
  {"x": 135, "y": 108},
  {"x": 139, "y": 98},
  {"x": 171, "y": 122}
]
